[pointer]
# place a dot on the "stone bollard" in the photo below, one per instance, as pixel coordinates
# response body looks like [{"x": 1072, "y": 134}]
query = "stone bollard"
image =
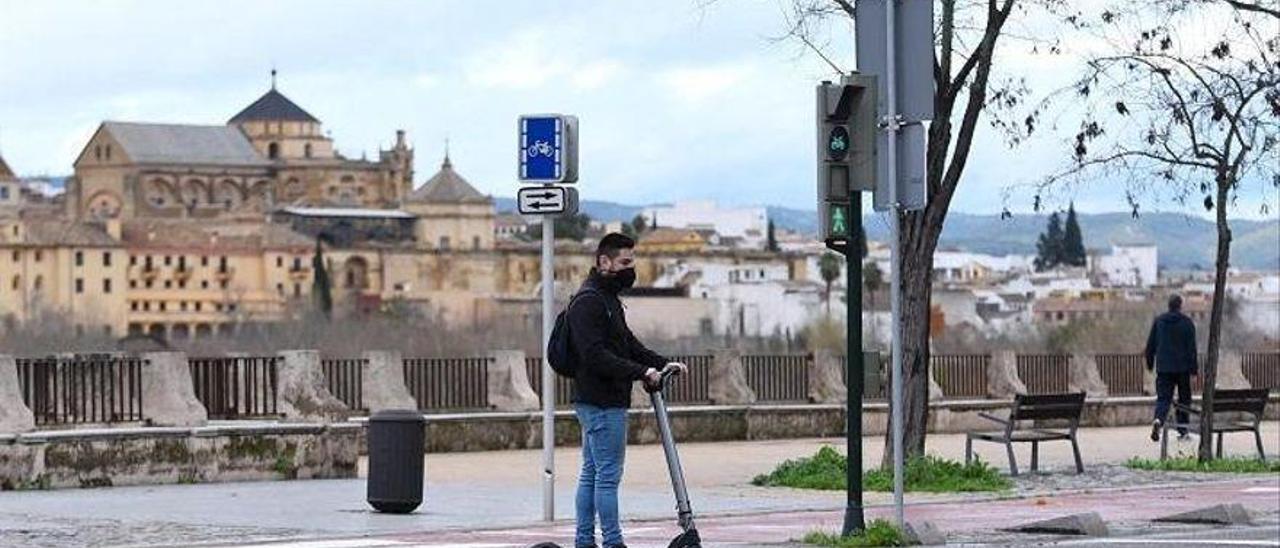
[
  {"x": 15, "y": 417},
  {"x": 825, "y": 384},
  {"x": 303, "y": 395},
  {"x": 639, "y": 397},
  {"x": 1084, "y": 377},
  {"x": 382, "y": 381},
  {"x": 1002, "y": 376},
  {"x": 1231, "y": 371},
  {"x": 935, "y": 389},
  {"x": 169, "y": 397},
  {"x": 509, "y": 387},
  {"x": 727, "y": 380}
]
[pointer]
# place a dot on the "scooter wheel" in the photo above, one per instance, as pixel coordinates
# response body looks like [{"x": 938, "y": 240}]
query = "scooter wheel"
[{"x": 545, "y": 545}]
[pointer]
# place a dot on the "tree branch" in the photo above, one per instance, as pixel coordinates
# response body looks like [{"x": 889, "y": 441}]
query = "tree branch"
[{"x": 1256, "y": 8}]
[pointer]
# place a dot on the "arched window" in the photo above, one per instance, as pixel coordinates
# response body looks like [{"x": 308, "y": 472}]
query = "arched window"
[
  {"x": 306, "y": 151},
  {"x": 273, "y": 150}
]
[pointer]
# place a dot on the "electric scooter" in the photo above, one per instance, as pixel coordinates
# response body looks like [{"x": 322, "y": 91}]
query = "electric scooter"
[{"x": 688, "y": 537}]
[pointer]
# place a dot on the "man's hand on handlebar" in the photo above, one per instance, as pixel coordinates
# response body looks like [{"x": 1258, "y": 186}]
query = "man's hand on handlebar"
[{"x": 652, "y": 377}]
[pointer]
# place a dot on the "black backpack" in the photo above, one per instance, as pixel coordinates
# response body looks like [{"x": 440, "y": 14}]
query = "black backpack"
[{"x": 560, "y": 351}]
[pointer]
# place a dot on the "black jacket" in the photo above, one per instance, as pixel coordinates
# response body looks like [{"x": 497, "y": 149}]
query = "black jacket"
[
  {"x": 1171, "y": 346},
  {"x": 609, "y": 356}
]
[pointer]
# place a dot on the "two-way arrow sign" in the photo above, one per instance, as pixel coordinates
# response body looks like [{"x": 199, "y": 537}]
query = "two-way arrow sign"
[{"x": 546, "y": 200}]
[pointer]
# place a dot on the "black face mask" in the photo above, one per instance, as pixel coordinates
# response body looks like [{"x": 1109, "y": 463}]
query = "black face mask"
[{"x": 622, "y": 279}]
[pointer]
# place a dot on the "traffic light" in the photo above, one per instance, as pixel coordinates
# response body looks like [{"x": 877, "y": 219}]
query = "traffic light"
[{"x": 846, "y": 121}]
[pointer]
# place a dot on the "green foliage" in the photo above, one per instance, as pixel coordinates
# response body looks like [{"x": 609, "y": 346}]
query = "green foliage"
[
  {"x": 1233, "y": 465},
  {"x": 1073, "y": 253},
  {"x": 639, "y": 224},
  {"x": 933, "y": 474},
  {"x": 771, "y": 242},
  {"x": 572, "y": 228},
  {"x": 826, "y": 471},
  {"x": 321, "y": 287},
  {"x": 1049, "y": 252},
  {"x": 878, "y": 533},
  {"x": 829, "y": 267}
]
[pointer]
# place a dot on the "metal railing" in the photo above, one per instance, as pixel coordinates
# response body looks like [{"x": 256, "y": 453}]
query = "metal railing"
[
  {"x": 873, "y": 376},
  {"x": 778, "y": 378},
  {"x": 961, "y": 375},
  {"x": 237, "y": 387},
  {"x": 694, "y": 388},
  {"x": 88, "y": 390},
  {"x": 1262, "y": 369},
  {"x": 564, "y": 386},
  {"x": 344, "y": 380},
  {"x": 1044, "y": 373},
  {"x": 448, "y": 384},
  {"x": 1122, "y": 373}
]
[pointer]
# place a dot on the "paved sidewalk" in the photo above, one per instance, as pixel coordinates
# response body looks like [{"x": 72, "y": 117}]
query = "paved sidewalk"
[
  {"x": 1126, "y": 511},
  {"x": 501, "y": 490}
]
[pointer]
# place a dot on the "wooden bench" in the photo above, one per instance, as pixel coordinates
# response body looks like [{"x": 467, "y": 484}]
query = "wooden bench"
[
  {"x": 1034, "y": 407},
  {"x": 1250, "y": 401}
]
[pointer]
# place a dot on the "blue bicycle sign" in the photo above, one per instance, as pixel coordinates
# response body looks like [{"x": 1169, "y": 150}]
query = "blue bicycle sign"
[
  {"x": 540, "y": 148},
  {"x": 547, "y": 149}
]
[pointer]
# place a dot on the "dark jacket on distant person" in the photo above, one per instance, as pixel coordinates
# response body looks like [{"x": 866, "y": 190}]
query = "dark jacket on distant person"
[
  {"x": 1171, "y": 346},
  {"x": 609, "y": 356}
]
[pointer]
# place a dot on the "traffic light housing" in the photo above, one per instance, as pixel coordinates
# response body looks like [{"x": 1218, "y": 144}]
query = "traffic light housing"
[{"x": 846, "y": 123}]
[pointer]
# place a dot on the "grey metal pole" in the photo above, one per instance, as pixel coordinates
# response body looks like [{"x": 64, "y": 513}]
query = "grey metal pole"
[
  {"x": 854, "y": 519},
  {"x": 896, "y": 257},
  {"x": 548, "y": 376}
]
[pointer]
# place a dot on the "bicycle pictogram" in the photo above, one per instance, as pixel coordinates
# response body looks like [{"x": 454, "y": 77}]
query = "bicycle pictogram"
[{"x": 540, "y": 148}]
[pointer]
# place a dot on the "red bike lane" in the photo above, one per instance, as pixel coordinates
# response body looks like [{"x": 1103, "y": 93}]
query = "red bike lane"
[{"x": 1127, "y": 506}]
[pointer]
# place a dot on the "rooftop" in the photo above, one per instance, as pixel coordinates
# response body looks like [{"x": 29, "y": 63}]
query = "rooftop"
[
  {"x": 273, "y": 106},
  {"x": 446, "y": 186},
  {"x": 147, "y": 143}
]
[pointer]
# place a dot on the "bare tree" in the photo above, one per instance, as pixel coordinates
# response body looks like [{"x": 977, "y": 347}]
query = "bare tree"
[
  {"x": 965, "y": 58},
  {"x": 1184, "y": 99}
]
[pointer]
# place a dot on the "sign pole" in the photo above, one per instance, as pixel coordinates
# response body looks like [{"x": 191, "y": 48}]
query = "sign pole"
[
  {"x": 854, "y": 520},
  {"x": 548, "y": 376},
  {"x": 892, "y": 126}
]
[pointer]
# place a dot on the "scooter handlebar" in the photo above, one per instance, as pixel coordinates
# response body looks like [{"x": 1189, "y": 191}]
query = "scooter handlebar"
[{"x": 663, "y": 378}]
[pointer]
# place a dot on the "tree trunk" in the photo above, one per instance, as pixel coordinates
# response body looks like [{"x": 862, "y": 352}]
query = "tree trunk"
[
  {"x": 916, "y": 292},
  {"x": 826, "y": 298},
  {"x": 1210, "y": 368}
]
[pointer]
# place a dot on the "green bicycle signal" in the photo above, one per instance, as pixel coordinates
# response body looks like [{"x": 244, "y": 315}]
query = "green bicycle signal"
[{"x": 838, "y": 143}]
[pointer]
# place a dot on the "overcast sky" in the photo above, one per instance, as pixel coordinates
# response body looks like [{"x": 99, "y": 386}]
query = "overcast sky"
[{"x": 676, "y": 100}]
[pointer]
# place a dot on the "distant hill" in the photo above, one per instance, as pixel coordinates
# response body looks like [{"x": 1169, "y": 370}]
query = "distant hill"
[{"x": 1185, "y": 242}]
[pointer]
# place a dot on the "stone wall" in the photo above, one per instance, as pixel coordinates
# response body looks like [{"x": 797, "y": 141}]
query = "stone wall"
[
  {"x": 140, "y": 456},
  {"x": 508, "y": 431}
]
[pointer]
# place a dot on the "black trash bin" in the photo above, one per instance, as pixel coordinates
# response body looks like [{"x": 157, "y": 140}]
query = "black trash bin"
[{"x": 396, "y": 439}]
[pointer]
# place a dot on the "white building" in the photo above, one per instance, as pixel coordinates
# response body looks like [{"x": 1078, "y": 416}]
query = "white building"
[
  {"x": 748, "y": 225},
  {"x": 1128, "y": 265}
]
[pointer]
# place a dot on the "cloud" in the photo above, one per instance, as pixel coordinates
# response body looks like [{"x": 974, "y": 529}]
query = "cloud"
[
  {"x": 595, "y": 75},
  {"x": 697, "y": 84}
]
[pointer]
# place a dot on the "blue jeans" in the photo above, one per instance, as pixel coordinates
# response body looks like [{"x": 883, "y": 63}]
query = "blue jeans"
[{"x": 604, "y": 447}]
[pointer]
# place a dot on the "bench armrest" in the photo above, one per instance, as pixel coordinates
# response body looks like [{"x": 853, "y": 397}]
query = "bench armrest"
[
  {"x": 1186, "y": 408},
  {"x": 991, "y": 417}
]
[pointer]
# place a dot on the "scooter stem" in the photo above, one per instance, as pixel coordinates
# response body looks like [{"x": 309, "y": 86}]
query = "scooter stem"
[{"x": 683, "y": 508}]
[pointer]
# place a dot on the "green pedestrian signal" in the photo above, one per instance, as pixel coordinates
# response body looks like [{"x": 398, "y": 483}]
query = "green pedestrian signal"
[{"x": 839, "y": 225}]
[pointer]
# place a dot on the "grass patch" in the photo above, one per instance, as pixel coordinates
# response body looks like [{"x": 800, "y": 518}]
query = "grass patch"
[
  {"x": 930, "y": 474},
  {"x": 878, "y": 533},
  {"x": 1231, "y": 465}
]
